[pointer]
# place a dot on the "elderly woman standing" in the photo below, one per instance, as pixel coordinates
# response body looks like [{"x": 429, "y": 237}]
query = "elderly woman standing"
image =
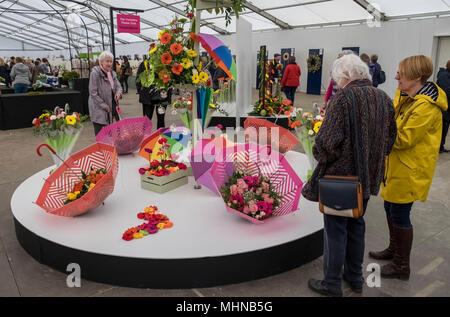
[
  {"x": 104, "y": 92},
  {"x": 333, "y": 149},
  {"x": 410, "y": 166}
]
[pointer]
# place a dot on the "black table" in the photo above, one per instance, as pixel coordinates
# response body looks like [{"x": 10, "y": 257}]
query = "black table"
[
  {"x": 231, "y": 121},
  {"x": 18, "y": 110}
]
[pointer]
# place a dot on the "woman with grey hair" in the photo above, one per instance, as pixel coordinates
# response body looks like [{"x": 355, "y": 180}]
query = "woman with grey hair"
[
  {"x": 334, "y": 147},
  {"x": 104, "y": 93}
]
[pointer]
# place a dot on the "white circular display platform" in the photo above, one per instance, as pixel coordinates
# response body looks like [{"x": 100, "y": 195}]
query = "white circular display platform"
[{"x": 203, "y": 230}]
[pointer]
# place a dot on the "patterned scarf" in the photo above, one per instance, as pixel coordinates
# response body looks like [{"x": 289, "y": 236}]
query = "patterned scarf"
[{"x": 111, "y": 81}]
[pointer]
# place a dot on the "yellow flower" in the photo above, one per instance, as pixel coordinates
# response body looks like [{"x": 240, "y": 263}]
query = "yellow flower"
[
  {"x": 137, "y": 235},
  {"x": 200, "y": 66},
  {"x": 212, "y": 105},
  {"x": 71, "y": 120},
  {"x": 186, "y": 63},
  {"x": 153, "y": 50},
  {"x": 72, "y": 196},
  {"x": 161, "y": 33},
  {"x": 160, "y": 226},
  {"x": 317, "y": 126},
  {"x": 203, "y": 77},
  {"x": 145, "y": 64},
  {"x": 191, "y": 53},
  {"x": 44, "y": 115},
  {"x": 195, "y": 79},
  {"x": 91, "y": 186},
  {"x": 150, "y": 210}
]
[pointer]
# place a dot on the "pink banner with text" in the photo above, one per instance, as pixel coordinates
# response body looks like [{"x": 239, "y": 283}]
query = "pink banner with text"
[{"x": 127, "y": 23}]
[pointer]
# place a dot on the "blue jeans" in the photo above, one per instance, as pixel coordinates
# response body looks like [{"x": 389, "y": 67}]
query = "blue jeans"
[
  {"x": 20, "y": 88},
  {"x": 399, "y": 213},
  {"x": 343, "y": 249},
  {"x": 290, "y": 93}
]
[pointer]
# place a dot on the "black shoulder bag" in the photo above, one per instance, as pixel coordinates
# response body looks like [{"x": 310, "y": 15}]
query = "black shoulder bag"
[{"x": 342, "y": 195}]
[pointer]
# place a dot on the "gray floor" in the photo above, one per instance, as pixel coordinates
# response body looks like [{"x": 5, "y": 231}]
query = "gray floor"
[{"x": 21, "y": 275}]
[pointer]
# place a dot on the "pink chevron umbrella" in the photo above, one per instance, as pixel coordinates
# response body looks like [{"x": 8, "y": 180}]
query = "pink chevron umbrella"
[
  {"x": 126, "y": 135},
  {"x": 202, "y": 157},
  {"x": 255, "y": 159}
]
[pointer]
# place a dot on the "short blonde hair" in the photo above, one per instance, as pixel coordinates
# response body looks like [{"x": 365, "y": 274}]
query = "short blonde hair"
[
  {"x": 350, "y": 67},
  {"x": 414, "y": 67},
  {"x": 2, "y": 62}
]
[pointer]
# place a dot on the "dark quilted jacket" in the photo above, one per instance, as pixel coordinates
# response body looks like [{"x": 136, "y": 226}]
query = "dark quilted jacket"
[{"x": 377, "y": 132}]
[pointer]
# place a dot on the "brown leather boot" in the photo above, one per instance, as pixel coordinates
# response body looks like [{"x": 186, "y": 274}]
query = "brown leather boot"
[
  {"x": 387, "y": 254},
  {"x": 399, "y": 267}
]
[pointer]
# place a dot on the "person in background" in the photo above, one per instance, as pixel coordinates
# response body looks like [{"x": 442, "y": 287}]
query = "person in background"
[
  {"x": 366, "y": 59},
  {"x": 37, "y": 70},
  {"x": 5, "y": 72},
  {"x": 125, "y": 69},
  {"x": 344, "y": 238},
  {"x": 104, "y": 92},
  {"x": 332, "y": 87},
  {"x": 151, "y": 98},
  {"x": 375, "y": 70},
  {"x": 12, "y": 62},
  {"x": 443, "y": 81},
  {"x": 20, "y": 76},
  {"x": 411, "y": 164},
  {"x": 30, "y": 64},
  {"x": 291, "y": 79},
  {"x": 45, "y": 66}
]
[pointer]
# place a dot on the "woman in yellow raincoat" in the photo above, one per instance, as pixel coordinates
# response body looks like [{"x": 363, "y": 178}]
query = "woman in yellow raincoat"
[{"x": 411, "y": 164}]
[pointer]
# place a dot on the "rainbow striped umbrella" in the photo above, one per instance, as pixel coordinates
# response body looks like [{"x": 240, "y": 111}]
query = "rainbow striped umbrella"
[{"x": 220, "y": 53}]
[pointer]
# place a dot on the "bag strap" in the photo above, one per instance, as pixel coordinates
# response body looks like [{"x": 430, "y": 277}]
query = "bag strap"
[{"x": 354, "y": 126}]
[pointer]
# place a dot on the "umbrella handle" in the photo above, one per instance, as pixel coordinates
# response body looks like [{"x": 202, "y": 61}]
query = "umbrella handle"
[{"x": 38, "y": 150}]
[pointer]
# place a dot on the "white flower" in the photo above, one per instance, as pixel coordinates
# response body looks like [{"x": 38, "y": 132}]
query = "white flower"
[
  {"x": 319, "y": 117},
  {"x": 52, "y": 117},
  {"x": 311, "y": 132},
  {"x": 185, "y": 48},
  {"x": 179, "y": 39},
  {"x": 189, "y": 103}
]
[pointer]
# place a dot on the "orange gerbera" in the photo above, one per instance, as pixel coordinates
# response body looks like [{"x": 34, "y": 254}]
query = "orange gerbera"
[
  {"x": 177, "y": 69},
  {"x": 176, "y": 48},
  {"x": 166, "y": 58},
  {"x": 164, "y": 75},
  {"x": 165, "y": 38},
  {"x": 195, "y": 37}
]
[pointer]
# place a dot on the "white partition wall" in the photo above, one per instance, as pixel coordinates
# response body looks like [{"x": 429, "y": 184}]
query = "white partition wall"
[{"x": 244, "y": 61}]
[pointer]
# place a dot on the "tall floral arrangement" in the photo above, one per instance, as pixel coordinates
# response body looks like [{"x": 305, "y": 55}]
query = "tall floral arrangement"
[
  {"x": 307, "y": 125},
  {"x": 171, "y": 58},
  {"x": 60, "y": 130}
]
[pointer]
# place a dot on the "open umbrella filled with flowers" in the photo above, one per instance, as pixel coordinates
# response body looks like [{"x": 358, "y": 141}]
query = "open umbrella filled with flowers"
[
  {"x": 265, "y": 132},
  {"x": 257, "y": 183},
  {"x": 126, "y": 135},
  {"x": 60, "y": 130},
  {"x": 82, "y": 183}
]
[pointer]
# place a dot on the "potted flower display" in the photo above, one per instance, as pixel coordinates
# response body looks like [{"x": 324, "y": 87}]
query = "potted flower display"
[
  {"x": 164, "y": 174},
  {"x": 69, "y": 77}
]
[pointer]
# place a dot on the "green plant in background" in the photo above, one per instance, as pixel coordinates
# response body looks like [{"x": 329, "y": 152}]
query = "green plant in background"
[
  {"x": 2, "y": 80},
  {"x": 69, "y": 76}
]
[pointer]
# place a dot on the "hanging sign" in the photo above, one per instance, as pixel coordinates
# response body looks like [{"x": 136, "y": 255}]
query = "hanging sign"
[{"x": 127, "y": 23}]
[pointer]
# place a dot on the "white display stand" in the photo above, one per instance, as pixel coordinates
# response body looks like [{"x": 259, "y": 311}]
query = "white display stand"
[{"x": 204, "y": 235}]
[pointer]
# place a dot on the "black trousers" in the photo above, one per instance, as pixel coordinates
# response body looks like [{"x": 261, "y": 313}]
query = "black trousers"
[
  {"x": 98, "y": 127},
  {"x": 445, "y": 126},
  {"x": 148, "y": 110},
  {"x": 290, "y": 93},
  {"x": 124, "y": 82}
]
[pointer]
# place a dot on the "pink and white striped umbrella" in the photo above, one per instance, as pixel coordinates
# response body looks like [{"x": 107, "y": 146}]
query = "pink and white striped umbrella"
[{"x": 256, "y": 159}]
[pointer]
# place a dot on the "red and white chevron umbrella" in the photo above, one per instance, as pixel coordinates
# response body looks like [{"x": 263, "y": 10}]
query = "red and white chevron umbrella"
[
  {"x": 255, "y": 159},
  {"x": 62, "y": 180}
]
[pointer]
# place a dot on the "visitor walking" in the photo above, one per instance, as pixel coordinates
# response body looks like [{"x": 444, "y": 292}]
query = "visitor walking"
[
  {"x": 411, "y": 164},
  {"x": 291, "y": 79},
  {"x": 104, "y": 93},
  {"x": 20, "y": 76},
  {"x": 344, "y": 239},
  {"x": 153, "y": 99},
  {"x": 443, "y": 81},
  {"x": 45, "y": 66},
  {"x": 12, "y": 62},
  {"x": 37, "y": 70},
  {"x": 125, "y": 69},
  {"x": 375, "y": 71},
  {"x": 4, "y": 72}
]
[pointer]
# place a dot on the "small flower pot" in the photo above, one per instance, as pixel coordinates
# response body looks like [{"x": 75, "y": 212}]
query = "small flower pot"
[{"x": 163, "y": 184}]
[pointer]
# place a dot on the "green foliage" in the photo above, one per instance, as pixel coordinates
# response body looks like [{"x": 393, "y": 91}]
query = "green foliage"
[
  {"x": 227, "y": 7},
  {"x": 69, "y": 76}
]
